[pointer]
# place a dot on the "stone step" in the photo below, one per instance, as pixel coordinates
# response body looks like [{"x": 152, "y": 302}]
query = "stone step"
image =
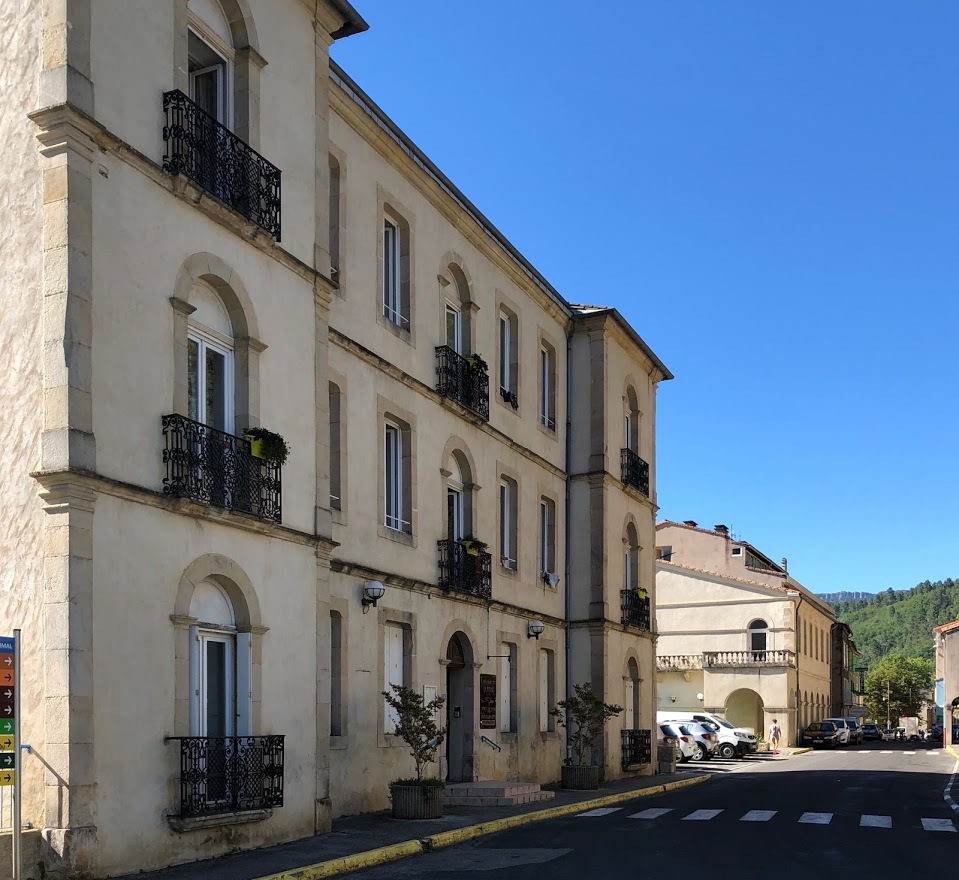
[
  {"x": 493, "y": 793},
  {"x": 534, "y": 797}
]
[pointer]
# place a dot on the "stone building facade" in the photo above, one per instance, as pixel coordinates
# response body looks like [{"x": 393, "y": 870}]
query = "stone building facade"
[
  {"x": 212, "y": 229},
  {"x": 738, "y": 635}
]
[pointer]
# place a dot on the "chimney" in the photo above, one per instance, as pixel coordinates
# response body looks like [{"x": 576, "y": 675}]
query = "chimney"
[
  {"x": 690, "y": 522},
  {"x": 785, "y": 564},
  {"x": 723, "y": 530}
]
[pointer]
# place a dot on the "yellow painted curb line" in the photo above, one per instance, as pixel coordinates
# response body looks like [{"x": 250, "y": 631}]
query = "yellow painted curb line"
[
  {"x": 799, "y": 751},
  {"x": 952, "y": 752},
  {"x": 385, "y": 854}
]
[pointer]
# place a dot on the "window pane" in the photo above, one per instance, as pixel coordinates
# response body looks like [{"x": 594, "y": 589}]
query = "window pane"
[
  {"x": 390, "y": 293},
  {"x": 206, "y": 91},
  {"x": 453, "y": 329},
  {"x": 504, "y": 352},
  {"x": 193, "y": 380},
  {"x": 216, "y": 689},
  {"x": 215, "y": 390}
]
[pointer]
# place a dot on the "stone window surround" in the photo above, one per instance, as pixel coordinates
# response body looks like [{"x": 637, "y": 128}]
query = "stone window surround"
[
  {"x": 386, "y": 410},
  {"x": 504, "y": 304},
  {"x": 388, "y": 206},
  {"x": 460, "y": 294},
  {"x": 470, "y": 490},
  {"x": 550, "y": 645},
  {"x": 503, "y": 470},
  {"x": 544, "y": 340},
  {"x": 341, "y": 607},
  {"x": 339, "y": 515},
  {"x": 637, "y": 684},
  {"x": 406, "y": 619},
  {"x": 629, "y": 384},
  {"x": 549, "y": 495},
  {"x": 247, "y": 348},
  {"x": 336, "y": 256},
  {"x": 247, "y": 64},
  {"x": 516, "y": 640}
]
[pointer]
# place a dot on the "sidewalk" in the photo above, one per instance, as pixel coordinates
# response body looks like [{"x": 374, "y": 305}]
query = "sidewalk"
[{"x": 356, "y": 835}]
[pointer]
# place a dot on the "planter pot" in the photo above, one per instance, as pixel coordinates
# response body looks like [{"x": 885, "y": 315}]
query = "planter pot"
[
  {"x": 256, "y": 447},
  {"x": 580, "y": 778},
  {"x": 417, "y": 801}
]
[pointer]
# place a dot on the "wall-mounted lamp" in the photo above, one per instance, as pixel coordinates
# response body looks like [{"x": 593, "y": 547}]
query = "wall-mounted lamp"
[
  {"x": 535, "y": 629},
  {"x": 672, "y": 699},
  {"x": 372, "y": 593},
  {"x": 700, "y": 697}
]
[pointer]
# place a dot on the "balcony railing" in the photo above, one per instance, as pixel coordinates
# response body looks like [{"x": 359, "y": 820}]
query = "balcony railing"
[
  {"x": 214, "y": 158},
  {"x": 748, "y": 658},
  {"x": 465, "y": 380},
  {"x": 634, "y": 471},
  {"x": 229, "y": 774},
  {"x": 635, "y": 610},
  {"x": 637, "y": 747},
  {"x": 208, "y": 465},
  {"x": 464, "y": 569},
  {"x": 667, "y": 662}
]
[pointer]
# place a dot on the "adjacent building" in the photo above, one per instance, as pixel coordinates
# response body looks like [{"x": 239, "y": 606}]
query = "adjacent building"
[
  {"x": 738, "y": 635},
  {"x": 211, "y": 229},
  {"x": 946, "y": 638},
  {"x": 846, "y": 678}
]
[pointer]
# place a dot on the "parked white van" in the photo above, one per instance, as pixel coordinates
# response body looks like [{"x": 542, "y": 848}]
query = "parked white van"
[{"x": 733, "y": 741}]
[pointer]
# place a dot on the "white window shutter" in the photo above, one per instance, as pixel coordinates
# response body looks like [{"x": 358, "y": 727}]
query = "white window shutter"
[
  {"x": 504, "y": 686},
  {"x": 393, "y": 671},
  {"x": 628, "y": 714},
  {"x": 196, "y": 676},
  {"x": 543, "y": 692},
  {"x": 244, "y": 684}
]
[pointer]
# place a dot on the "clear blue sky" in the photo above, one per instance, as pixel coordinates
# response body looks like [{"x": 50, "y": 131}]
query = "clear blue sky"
[{"x": 769, "y": 193}]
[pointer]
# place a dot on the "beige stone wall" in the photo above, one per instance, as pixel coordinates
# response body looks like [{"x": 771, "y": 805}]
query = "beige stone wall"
[{"x": 21, "y": 393}]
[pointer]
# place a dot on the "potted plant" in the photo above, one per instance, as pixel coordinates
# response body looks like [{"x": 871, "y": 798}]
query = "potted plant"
[
  {"x": 473, "y": 546},
  {"x": 416, "y": 798},
  {"x": 267, "y": 445},
  {"x": 477, "y": 362},
  {"x": 589, "y": 714}
]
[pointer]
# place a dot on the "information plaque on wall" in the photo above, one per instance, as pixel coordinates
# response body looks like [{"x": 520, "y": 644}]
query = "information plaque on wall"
[{"x": 487, "y": 702}]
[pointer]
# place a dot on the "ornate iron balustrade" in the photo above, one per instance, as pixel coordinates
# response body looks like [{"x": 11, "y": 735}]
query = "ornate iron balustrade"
[
  {"x": 635, "y": 611},
  {"x": 634, "y": 471},
  {"x": 214, "y": 158},
  {"x": 229, "y": 774},
  {"x": 748, "y": 658},
  {"x": 208, "y": 465},
  {"x": 463, "y": 571},
  {"x": 465, "y": 380},
  {"x": 666, "y": 662},
  {"x": 637, "y": 747}
]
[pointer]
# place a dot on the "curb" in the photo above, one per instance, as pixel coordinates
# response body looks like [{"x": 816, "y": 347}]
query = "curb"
[
  {"x": 799, "y": 752},
  {"x": 385, "y": 854},
  {"x": 952, "y": 752}
]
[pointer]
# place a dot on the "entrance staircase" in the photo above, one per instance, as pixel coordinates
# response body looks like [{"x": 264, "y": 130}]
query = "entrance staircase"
[{"x": 494, "y": 794}]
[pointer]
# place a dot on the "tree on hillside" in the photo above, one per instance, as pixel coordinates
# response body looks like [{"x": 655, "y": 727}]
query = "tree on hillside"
[{"x": 895, "y": 686}]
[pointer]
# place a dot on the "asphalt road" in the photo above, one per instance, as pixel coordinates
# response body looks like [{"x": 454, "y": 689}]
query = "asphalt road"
[{"x": 873, "y": 811}]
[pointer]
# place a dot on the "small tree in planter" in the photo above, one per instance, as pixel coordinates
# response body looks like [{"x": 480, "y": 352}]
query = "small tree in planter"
[
  {"x": 590, "y": 714},
  {"x": 417, "y": 798},
  {"x": 267, "y": 445}
]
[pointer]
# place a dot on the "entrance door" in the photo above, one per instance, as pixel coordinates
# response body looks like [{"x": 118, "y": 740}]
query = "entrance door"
[{"x": 459, "y": 710}]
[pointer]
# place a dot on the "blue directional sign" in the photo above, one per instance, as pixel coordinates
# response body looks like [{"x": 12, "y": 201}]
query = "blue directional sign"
[{"x": 6, "y": 645}]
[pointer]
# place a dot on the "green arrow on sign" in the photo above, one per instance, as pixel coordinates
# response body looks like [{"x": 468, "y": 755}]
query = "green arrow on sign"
[{"x": 7, "y": 727}]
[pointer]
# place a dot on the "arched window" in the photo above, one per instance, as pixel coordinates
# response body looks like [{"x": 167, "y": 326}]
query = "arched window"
[
  {"x": 220, "y": 666},
  {"x": 211, "y": 53},
  {"x": 631, "y": 700},
  {"x": 210, "y": 360},
  {"x": 758, "y": 632},
  {"x": 631, "y": 558},
  {"x": 631, "y": 421},
  {"x": 456, "y": 311},
  {"x": 459, "y": 500}
]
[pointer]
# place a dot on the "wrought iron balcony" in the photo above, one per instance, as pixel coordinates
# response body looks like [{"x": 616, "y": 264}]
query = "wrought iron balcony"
[
  {"x": 465, "y": 569},
  {"x": 229, "y": 774},
  {"x": 634, "y": 471},
  {"x": 207, "y": 152},
  {"x": 465, "y": 380},
  {"x": 635, "y": 610},
  {"x": 208, "y": 465},
  {"x": 637, "y": 747},
  {"x": 748, "y": 658}
]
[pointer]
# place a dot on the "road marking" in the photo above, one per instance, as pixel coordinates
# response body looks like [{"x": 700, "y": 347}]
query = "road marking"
[
  {"x": 875, "y": 821},
  {"x": 938, "y": 825},
  {"x": 701, "y": 815},
  {"x": 886, "y": 753},
  {"x": 909, "y": 753},
  {"x": 599, "y": 811},
  {"x": 935, "y": 753},
  {"x": 653, "y": 813},
  {"x": 947, "y": 792},
  {"x": 815, "y": 818},
  {"x": 758, "y": 816}
]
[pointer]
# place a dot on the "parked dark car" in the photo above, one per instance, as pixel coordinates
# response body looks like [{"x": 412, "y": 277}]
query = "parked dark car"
[
  {"x": 855, "y": 731},
  {"x": 821, "y": 734},
  {"x": 871, "y": 731}
]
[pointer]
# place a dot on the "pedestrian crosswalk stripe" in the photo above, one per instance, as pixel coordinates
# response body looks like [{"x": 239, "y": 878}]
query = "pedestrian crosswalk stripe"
[
  {"x": 758, "y": 816},
  {"x": 935, "y": 753},
  {"x": 875, "y": 821},
  {"x": 909, "y": 753},
  {"x": 938, "y": 825},
  {"x": 600, "y": 811},
  {"x": 815, "y": 818},
  {"x": 701, "y": 815},
  {"x": 653, "y": 813},
  {"x": 886, "y": 753}
]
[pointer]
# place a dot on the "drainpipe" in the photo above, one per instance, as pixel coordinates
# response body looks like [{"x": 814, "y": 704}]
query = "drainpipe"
[
  {"x": 798, "y": 645},
  {"x": 566, "y": 567}
]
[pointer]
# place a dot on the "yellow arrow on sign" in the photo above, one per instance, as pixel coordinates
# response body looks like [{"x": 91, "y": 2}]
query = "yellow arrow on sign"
[
  {"x": 7, "y": 777},
  {"x": 6, "y": 743}
]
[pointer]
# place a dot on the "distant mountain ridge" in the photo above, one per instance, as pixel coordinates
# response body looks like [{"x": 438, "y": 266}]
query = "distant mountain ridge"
[
  {"x": 899, "y": 621},
  {"x": 845, "y": 596}
]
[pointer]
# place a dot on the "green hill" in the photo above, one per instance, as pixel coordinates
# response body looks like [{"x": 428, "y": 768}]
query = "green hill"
[{"x": 900, "y": 621}]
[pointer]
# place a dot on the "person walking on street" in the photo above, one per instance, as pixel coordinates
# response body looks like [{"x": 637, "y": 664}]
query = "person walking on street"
[{"x": 774, "y": 733}]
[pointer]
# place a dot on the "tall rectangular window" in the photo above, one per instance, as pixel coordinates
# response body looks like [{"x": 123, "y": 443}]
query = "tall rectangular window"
[
  {"x": 336, "y": 501},
  {"x": 336, "y": 674},
  {"x": 392, "y": 278},
  {"x": 507, "y": 524},
  {"x": 394, "y": 671},
  {"x": 547, "y": 686},
  {"x": 547, "y": 384},
  {"x": 508, "y": 359},
  {"x": 508, "y": 675},
  {"x": 393, "y": 475},
  {"x": 334, "y": 219},
  {"x": 547, "y": 536}
]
